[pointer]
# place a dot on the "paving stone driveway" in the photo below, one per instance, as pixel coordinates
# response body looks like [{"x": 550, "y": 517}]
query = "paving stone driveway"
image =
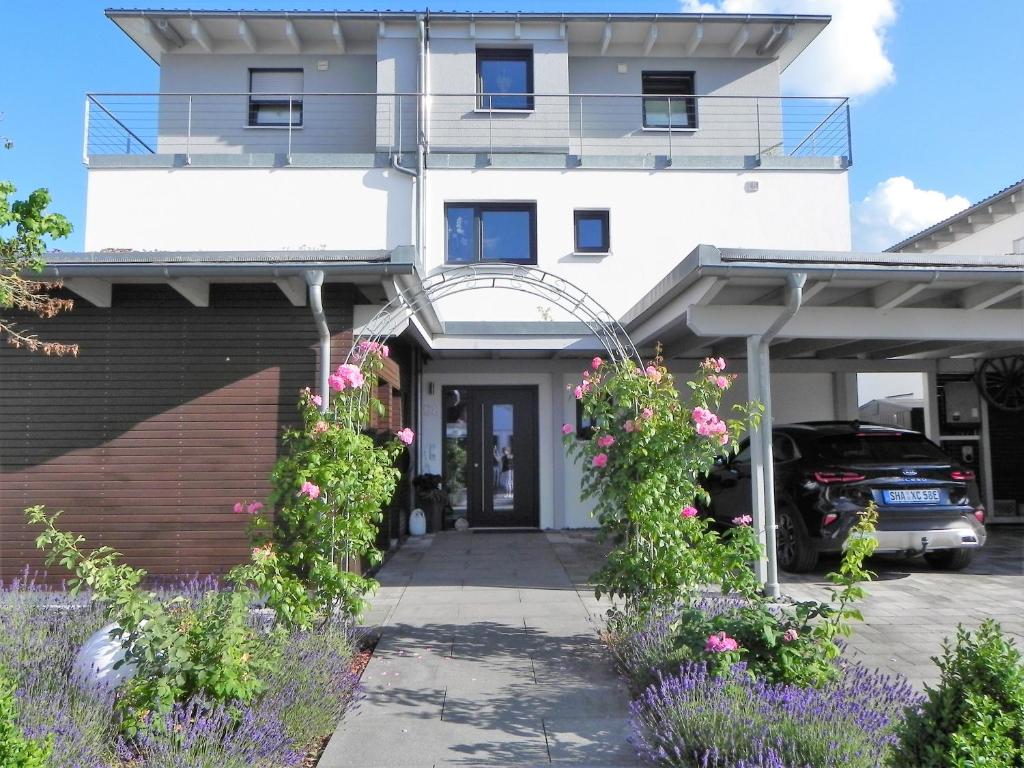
[
  {"x": 911, "y": 607},
  {"x": 488, "y": 656}
]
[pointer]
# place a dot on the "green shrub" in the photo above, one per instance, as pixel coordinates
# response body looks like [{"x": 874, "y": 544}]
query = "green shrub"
[
  {"x": 975, "y": 717},
  {"x": 17, "y": 751}
]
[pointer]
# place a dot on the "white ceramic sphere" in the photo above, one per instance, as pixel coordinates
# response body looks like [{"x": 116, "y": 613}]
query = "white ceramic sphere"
[{"x": 95, "y": 660}]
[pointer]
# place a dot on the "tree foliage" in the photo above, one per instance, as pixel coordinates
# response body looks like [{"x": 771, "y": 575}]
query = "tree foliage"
[{"x": 24, "y": 227}]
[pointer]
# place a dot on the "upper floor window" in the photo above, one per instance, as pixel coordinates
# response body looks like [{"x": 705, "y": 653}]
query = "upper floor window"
[
  {"x": 504, "y": 78},
  {"x": 669, "y": 100},
  {"x": 592, "y": 232},
  {"x": 491, "y": 232},
  {"x": 272, "y": 93}
]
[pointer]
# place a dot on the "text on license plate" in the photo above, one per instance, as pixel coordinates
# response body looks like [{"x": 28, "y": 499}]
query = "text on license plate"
[{"x": 912, "y": 496}]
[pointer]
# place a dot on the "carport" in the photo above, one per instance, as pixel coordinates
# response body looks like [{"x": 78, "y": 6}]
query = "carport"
[{"x": 838, "y": 311}]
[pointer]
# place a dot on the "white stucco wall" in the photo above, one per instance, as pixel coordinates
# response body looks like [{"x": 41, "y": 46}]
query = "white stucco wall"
[
  {"x": 208, "y": 209},
  {"x": 797, "y": 397},
  {"x": 657, "y": 218}
]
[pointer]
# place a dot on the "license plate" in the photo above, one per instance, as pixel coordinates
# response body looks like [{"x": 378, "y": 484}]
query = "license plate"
[{"x": 912, "y": 496}]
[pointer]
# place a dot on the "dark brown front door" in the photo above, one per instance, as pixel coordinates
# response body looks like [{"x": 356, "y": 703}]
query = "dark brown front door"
[{"x": 490, "y": 454}]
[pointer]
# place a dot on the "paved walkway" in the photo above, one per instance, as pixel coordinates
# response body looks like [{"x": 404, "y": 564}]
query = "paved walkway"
[{"x": 488, "y": 656}]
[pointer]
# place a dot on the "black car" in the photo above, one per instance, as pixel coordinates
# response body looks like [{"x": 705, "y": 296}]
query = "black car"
[{"x": 825, "y": 472}]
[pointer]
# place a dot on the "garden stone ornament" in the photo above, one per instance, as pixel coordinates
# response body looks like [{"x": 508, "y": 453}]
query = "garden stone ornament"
[{"x": 95, "y": 660}]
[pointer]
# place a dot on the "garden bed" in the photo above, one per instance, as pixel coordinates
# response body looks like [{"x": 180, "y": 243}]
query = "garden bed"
[{"x": 313, "y": 685}]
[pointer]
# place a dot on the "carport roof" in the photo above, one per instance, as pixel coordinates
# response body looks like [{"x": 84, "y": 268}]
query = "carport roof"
[{"x": 854, "y": 305}]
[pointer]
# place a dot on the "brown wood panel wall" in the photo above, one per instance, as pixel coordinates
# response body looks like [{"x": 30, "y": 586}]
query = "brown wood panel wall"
[{"x": 170, "y": 414}]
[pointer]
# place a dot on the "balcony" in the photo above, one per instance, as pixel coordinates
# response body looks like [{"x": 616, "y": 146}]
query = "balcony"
[{"x": 367, "y": 130}]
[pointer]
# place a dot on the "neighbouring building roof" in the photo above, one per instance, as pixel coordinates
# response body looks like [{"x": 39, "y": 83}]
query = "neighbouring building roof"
[{"x": 962, "y": 216}]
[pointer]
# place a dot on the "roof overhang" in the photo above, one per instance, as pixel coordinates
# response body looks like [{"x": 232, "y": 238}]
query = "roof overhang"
[
  {"x": 92, "y": 275},
  {"x": 854, "y": 305},
  {"x": 770, "y": 36}
]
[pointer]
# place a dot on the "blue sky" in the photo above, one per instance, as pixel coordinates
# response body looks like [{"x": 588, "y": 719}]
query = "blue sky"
[{"x": 937, "y": 113}]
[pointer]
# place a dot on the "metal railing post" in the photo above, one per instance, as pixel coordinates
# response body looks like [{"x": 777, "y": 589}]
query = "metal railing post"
[
  {"x": 849, "y": 136},
  {"x": 581, "y": 130},
  {"x": 398, "y": 116},
  {"x": 188, "y": 134},
  {"x": 490, "y": 130},
  {"x": 669, "y": 159},
  {"x": 757, "y": 120},
  {"x": 85, "y": 133},
  {"x": 290, "y": 120}
]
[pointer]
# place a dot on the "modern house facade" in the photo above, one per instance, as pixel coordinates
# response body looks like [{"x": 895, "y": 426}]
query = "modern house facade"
[{"x": 484, "y": 173}]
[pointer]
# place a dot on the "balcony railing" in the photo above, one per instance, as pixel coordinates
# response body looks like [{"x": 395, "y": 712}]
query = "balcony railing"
[{"x": 456, "y": 130}]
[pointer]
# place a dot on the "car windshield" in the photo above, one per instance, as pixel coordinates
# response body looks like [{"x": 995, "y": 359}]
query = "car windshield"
[{"x": 879, "y": 449}]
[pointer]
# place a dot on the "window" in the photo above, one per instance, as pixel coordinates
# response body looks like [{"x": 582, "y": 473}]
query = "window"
[
  {"x": 270, "y": 93},
  {"x": 504, "y": 78},
  {"x": 592, "y": 233},
  {"x": 491, "y": 232},
  {"x": 669, "y": 100}
]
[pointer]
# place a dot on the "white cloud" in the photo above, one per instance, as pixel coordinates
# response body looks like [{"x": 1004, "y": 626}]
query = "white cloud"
[
  {"x": 896, "y": 209},
  {"x": 847, "y": 59}
]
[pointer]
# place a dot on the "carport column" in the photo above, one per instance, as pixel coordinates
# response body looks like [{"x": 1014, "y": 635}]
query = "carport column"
[
  {"x": 756, "y": 453},
  {"x": 762, "y": 475}
]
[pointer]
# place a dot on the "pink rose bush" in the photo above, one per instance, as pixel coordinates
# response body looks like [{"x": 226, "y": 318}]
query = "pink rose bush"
[
  {"x": 742, "y": 520},
  {"x": 720, "y": 643},
  {"x": 644, "y": 466},
  {"x": 568, "y": 429},
  {"x": 334, "y": 461}
]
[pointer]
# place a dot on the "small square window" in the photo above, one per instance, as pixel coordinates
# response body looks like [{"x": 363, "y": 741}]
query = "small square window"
[
  {"x": 504, "y": 78},
  {"x": 592, "y": 232},
  {"x": 669, "y": 100},
  {"x": 496, "y": 232},
  {"x": 275, "y": 97}
]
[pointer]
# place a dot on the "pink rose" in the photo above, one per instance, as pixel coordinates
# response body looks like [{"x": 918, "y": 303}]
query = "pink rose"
[
  {"x": 238, "y": 508},
  {"x": 647, "y": 413},
  {"x": 721, "y": 382},
  {"x": 653, "y": 374},
  {"x": 790, "y": 635},
  {"x": 716, "y": 364},
  {"x": 320, "y": 427},
  {"x": 606, "y": 441},
  {"x": 568, "y": 429},
  {"x": 316, "y": 400},
  {"x": 255, "y": 507},
  {"x": 336, "y": 382},
  {"x": 742, "y": 520},
  {"x": 721, "y": 642},
  {"x": 309, "y": 489},
  {"x": 688, "y": 512},
  {"x": 629, "y": 426},
  {"x": 600, "y": 461},
  {"x": 578, "y": 393},
  {"x": 596, "y": 363},
  {"x": 406, "y": 436}
]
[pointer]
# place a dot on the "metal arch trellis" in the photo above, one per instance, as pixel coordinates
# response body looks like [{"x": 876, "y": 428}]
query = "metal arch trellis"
[{"x": 525, "y": 279}]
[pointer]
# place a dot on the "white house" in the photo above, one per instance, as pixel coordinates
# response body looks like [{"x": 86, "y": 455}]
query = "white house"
[{"x": 516, "y": 185}]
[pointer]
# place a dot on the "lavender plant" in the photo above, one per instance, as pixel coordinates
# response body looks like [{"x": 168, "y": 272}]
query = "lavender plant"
[
  {"x": 695, "y": 719},
  {"x": 40, "y": 633},
  {"x": 314, "y": 684},
  {"x": 200, "y": 734}
]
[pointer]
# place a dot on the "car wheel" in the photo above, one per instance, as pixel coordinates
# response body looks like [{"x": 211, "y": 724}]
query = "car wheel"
[
  {"x": 793, "y": 546},
  {"x": 949, "y": 559}
]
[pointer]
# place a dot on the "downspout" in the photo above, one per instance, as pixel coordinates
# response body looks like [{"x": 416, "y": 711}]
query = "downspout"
[
  {"x": 315, "y": 281},
  {"x": 762, "y": 357}
]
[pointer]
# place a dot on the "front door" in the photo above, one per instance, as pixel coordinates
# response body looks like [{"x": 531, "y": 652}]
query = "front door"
[{"x": 490, "y": 454}]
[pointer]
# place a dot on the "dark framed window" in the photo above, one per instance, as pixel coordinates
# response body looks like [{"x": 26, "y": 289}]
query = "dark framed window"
[
  {"x": 584, "y": 423},
  {"x": 593, "y": 234},
  {"x": 274, "y": 95},
  {"x": 491, "y": 232},
  {"x": 669, "y": 100},
  {"x": 504, "y": 78}
]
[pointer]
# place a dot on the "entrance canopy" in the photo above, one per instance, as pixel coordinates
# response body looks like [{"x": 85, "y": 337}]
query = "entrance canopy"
[{"x": 807, "y": 304}]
